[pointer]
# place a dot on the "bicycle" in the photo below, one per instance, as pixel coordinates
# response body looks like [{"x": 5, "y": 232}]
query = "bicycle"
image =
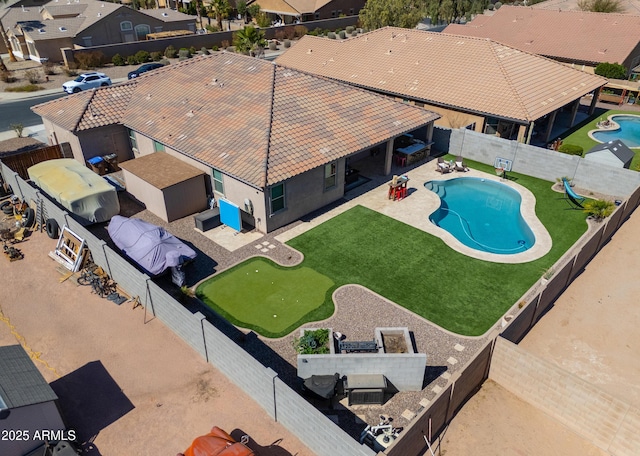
[{"x": 101, "y": 284}]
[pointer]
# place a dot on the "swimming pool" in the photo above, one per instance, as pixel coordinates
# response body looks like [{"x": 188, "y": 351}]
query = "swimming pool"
[
  {"x": 482, "y": 214},
  {"x": 628, "y": 131}
]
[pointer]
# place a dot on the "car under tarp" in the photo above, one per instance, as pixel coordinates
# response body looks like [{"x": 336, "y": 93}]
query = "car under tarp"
[
  {"x": 218, "y": 443},
  {"x": 152, "y": 247},
  {"x": 77, "y": 188}
]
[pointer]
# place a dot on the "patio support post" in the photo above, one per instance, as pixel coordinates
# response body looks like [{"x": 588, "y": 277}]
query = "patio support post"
[
  {"x": 530, "y": 132},
  {"x": 522, "y": 131},
  {"x": 552, "y": 120},
  {"x": 388, "y": 157},
  {"x": 429, "y": 137},
  {"x": 574, "y": 111},
  {"x": 594, "y": 101}
]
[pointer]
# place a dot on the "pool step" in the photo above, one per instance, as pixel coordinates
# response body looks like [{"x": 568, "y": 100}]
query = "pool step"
[{"x": 436, "y": 188}]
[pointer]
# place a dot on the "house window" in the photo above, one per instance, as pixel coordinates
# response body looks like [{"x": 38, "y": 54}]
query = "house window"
[
  {"x": 339, "y": 13},
  {"x": 351, "y": 11},
  {"x": 158, "y": 147},
  {"x": 333, "y": 13},
  {"x": 142, "y": 30},
  {"x": 471, "y": 126},
  {"x": 317, "y": 16},
  {"x": 277, "y": 198},
  {"x": 330, "y": 175},
  {"x": 87, "y": 41},
  {"x": 133, "y": 141},
  {"x": 125, "y": 26},
  {"x": 218, "y": 185},
  {"x": 158, "y": 29}
]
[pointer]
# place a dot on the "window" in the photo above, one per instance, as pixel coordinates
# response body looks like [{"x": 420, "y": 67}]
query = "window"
[
  {"x": 158, "y": 147},
  {"x": 330, "y": 175},
  {"x": 218, "y": 185},
  {"x": 317, "y": 16},
  {"x": 158, "y": 29},
  {"x": 333, "y": 13},
  {"x": 126, "y": 26},
  {"x": 87, "y": 41},
  {"x": 133, "y": 141},
  {"x": 352, "y": 11},
  {"x": 277, "y": 198},
  {"x": 142, "y": 30}
]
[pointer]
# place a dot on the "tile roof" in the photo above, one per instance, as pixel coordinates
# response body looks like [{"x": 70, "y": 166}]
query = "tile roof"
[
  {"x": 465, "y": 73},
  {"x": 574, "y": 35},
  {"x": 293, "y": 6},
  {"x": 167, "y": 15},
  {"x": 21, "y": 383},
  {"x": 250, "y": 118},
  {"x": 161, "y": 169}
]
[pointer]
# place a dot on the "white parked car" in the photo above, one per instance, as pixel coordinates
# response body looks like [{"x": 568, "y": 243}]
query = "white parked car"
[{"x": 87, "y": 81}]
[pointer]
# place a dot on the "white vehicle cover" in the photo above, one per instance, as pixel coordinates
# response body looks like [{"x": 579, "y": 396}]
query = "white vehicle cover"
[
  {"x": 151, "y": 246},
  {"x": 77, "y": 188}
]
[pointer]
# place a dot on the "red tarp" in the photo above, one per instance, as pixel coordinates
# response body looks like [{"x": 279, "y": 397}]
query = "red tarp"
[{"x": 217, "y": 443}]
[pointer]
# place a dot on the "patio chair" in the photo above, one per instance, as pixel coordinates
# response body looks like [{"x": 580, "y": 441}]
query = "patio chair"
[
  {"x": 443, "y": 167},
  {"x": 460, "y": 165},
  {"x": 571, "y": 195}
]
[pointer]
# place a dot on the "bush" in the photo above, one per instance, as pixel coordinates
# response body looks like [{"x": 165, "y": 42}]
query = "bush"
[
  {"x": 349, "y": 29},
  {"x": 599, "y": 209},
  {"x": 354, "y": 33},
  {"x": 331, "y": 36},
  {"x": 300, "y": 31},
  {"x": 6, "y": 76},
  {"x": 273, "y": 46},
  {"x": 184, "y": 54},
  {"x": 117, "y": 60},
  {"x": 131, "y": 60},
  {"x": 342, "y": 34},
  {"x": 156, "y": 56},
  {"x": 570, "y": 149},
  {"x": 49, "y": 68},
  {"x": 215, "y": 48},
  {"x": 25, "y": 88},
  {"x": 170, "y": 52},
  {"x": 611, "y": 70},
  {"x": 204, "y": 51},
  {"x": 263, "y": 20},
  {"x": 142, "y": 56},
  {"x": 313, "y": 342},
  {"x": 497, "y": 5},
  {"x": 231, "y": 49},
  {"x": 211, "y": 28},
  {"x": 490, "y": 7},
  {"x": 316, "y": 32},
  {"x": 70, "y": 71},
  {"x": 32, "y": 76},
  {"x": 192, "y": 51},
  {"x": 90, "y": 59},
  {"x": 287, "y": 44},
  {"x": 164, "y": 61}
]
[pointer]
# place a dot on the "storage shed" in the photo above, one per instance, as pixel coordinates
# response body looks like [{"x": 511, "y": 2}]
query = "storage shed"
[
  {"x": 612, "y": 153},
  {"x": 169, "y": 187},
  {"x": 27, "y": 402}
]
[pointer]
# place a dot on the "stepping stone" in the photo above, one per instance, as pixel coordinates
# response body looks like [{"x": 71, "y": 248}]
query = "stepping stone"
[
  {"x": 446, "y": 375},
  {"x": 265, "y": 243},
  {"x": 258, "y": 246},
  {"x": 424, "y": 402},
  {"x": 271, "y": 246},
  {"x": 458, "y": 347},
  {"x": 264, "y": 250},
  {"x": 436, "y": 389},
  {"x": 452, "y": 360},
  {"x": 408, "y": 415}
]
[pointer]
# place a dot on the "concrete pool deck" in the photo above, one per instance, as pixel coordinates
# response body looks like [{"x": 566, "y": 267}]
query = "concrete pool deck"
[{"x": 414, "y": 210}]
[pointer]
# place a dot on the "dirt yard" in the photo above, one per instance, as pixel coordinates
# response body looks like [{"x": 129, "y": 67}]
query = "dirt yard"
[{"x": 128, "y": 388}]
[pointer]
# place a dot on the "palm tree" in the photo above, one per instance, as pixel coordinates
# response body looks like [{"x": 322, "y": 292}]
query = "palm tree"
[
  {"x": 5, "y": 40},
  {"x": 220, "y": 9},
  {"x": 250, "y": 41}
]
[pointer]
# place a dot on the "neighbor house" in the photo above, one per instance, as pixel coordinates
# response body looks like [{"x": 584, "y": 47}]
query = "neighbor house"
[
  {"x": 39, "y": 32},
  {"x": 27, "y": 403},
  {"x": 613, "y": 153},
  {"x": 289, "y": 11},
  {"x": 268, "y": 139},
  {"x": 475, "y": 83},
  {"x": 580, "y": 38}
]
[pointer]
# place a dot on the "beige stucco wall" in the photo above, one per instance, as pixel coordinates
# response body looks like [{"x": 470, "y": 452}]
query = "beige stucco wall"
[
  {"x": 237, "y": 191},
  {"x": 111, "y": 139},
  {"x": 57, "y": 135},
  {"x": 344, "y": 6},
  {"x": 49, "y": 49},
  {"x": 152, "y": 197},
  {"x": 456, "y": 119},
  {"x": 185, "y": 198}
]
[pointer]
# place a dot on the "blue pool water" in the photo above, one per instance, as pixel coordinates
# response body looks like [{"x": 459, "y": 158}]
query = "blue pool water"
[
  {"x": 628, "y": 133},
  {"x": 482, "y": 214}
]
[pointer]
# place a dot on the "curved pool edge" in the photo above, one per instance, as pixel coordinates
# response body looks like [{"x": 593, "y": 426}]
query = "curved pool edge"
[
  {"x": 543, "y": 241},
  {"x": 613, "y": 127}
]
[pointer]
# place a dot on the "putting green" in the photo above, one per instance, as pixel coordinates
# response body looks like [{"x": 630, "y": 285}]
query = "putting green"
[{"x": 268, "y": 298}]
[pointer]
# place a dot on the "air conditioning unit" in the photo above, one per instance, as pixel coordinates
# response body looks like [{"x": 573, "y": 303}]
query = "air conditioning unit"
[{"x": 366, "y": 396}]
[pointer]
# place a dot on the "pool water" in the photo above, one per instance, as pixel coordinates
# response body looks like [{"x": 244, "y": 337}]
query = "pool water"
[
  {"x": 628, "y": 133},
  {"x": 482, "y": 214}
]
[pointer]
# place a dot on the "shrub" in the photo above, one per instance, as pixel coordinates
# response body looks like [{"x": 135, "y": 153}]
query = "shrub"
[
  {"x": 263, "y": 20},
  {"x": 184, "y": 54},
  {"x": 18, "y": 128},
  {"x": 211, "y": 28},
  {"x": 354, "y": 33},
  {"x": 156, "y": 56},
  {"x": 497, "y": 5},
  {"x": 170, "y": 52},
  {"x": 89, "y": 59},
  {"x": 25, "y": 88},
  {"x": 6, "y": 76},
  {"x": 117, "y": 60},
  {"x": 287, "y": 43},
  {"x": 192, "y": 51},
  {"x": 279, "y": 35},
  {"x": 611, "y": 70},
  {"x": 342, "y": 34},
  {"x": 142, "y": 56},
  {"x": 204, "y": 51},
  {"x": 349, "y": 29},
  {"x": 273, "y": 46},
  {"x": 70, "y": 71},
  {"x": 599, "y": 209},
  {"x": 570, "y": 149},
  {"x": 231, "y": 49},
  {"x": 313, "y": 342},
  {"x": 32, "y": 76},
  {"x": 49, "y": 68},
  {"x": 490, "y": 7},
  {"x": 316, "y": 32},
  {"x": 214, "y": 48},
  {"x": 300, "y": 31},
  {"x": 164, "y": 61},
  {"x": 331, "y": 36},
  {"x": 131, "y": 60}
]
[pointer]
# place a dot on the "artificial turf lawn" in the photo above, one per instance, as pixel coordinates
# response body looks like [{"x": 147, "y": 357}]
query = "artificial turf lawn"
[
  {"x": 270, "y": 299},
  {"x": 421, "y": 273}
]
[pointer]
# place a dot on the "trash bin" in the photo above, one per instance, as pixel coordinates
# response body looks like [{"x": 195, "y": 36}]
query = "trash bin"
[
  {"x": 112, "y": 162},
  {"x": 97, "y": 165}
]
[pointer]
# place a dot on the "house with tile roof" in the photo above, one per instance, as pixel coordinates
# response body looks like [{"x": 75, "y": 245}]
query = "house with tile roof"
[
  {"x": 581, "y": 38},
  {"x": 39, "y": 32},
  {"x": 288, "y": 11},
  {"x": 471, "y": 82},
  {"x": 270, "y": 139},
  {"x": 27, "y": 402}
]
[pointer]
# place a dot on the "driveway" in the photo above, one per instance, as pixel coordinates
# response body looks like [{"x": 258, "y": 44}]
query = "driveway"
[{"x": 126, "y": 387}]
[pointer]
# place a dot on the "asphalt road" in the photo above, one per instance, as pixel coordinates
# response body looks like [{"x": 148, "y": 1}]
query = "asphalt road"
[{"x": 16, "y": 112}]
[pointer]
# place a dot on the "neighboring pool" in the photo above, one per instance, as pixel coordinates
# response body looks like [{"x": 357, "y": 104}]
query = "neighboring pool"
[
  {"x": 628, "y": 133},
  {"x": 482, "y": 214}
]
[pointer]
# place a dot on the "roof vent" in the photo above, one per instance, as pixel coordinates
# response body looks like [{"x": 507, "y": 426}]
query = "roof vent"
[
  {"x": 62, "y": 29},
  {"x": 602, "y": 51},
  {"x": 41, "y": 31},
  {"x": 388, "y": 52},
  {"x": 391, "y": 71},
  {"x": 99, "y": 14},
  {"x": 529, "y": 43},
  {"x": 309, "y": 51},
  {"x": 190, "y": 113},
  {"x": 148, "y": 96},
  {"x": 165, "y": 14}
]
